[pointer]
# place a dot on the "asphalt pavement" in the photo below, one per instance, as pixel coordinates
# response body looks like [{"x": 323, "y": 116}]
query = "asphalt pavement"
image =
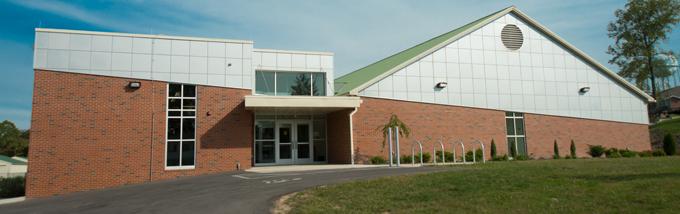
[{"x": 234, "y": 192}]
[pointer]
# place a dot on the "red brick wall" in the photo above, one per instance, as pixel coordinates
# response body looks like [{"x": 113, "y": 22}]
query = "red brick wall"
[
  {"x": 436, "y": 121},
  {"x": 339, "y": 151},
  {"x": 453, "y": 122},
  {"x": 91, "y": 132},
  {"x": 542, "y": 131}
]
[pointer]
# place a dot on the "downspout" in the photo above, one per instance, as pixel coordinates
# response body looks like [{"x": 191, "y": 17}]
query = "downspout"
[{"x": 351, "y": 135}]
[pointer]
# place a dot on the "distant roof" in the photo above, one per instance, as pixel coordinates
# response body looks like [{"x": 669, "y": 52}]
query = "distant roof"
[
  {"x": 11, "y": 160},
  {"x": 352, "y": 83}
]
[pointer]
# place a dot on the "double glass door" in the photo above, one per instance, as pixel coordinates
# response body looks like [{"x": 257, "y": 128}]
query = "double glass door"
[{"x": 293, "y": 142}]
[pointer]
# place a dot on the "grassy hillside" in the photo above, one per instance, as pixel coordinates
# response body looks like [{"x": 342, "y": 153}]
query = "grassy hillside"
[{"x": 624, "y": 185}]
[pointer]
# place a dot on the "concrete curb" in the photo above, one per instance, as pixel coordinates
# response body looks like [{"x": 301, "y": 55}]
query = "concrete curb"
[{"x": 12, "y": 200}]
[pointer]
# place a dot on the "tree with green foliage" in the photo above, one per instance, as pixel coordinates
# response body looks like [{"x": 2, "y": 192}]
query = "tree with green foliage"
[
  {"x": 669, "y": 144},
  {"x": 572, "y": 149},
  {"x": 13, "y": 142},
  {"x": 404, "y": 130},
  {"x": 513, "y": 149},
  {"x": 556, "y": 151},
  {"x": 493, "y": 149},
  {"x": 637, "y": 32}
]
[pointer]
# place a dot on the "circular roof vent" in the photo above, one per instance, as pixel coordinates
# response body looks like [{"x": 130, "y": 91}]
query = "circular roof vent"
[{"x": 512, "y": 37}]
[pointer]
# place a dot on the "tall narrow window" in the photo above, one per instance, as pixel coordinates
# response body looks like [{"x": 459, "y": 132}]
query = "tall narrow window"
[
  {"x": 514, "y": 123},
  {"x": 181, "y": 126}
]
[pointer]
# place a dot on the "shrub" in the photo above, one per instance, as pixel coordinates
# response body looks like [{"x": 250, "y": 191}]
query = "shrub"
[
  {"x": 628, "y": 153},
  {"x": 645, "y": 153},
  {"x": 612, "y": 153},
  {"x": 493, "y": 149},
  {"x": 572, "y": 149},
  {"x": 596, "y": 151},
  {"x": 426, "y": 157},
  {"x": 658, "y": 153},
  {"x": 12, "y": 187},
  {"x": 478, "y": 155},
  {"x": 669, "y": 144},
  {"x": 447, "y": 155},
  {"x": 523, "y": 157},
  {"x": 500, "y": 158},
  {"x": 556, "y": 150},
  {"x": 378, "y": 160},
  {"x": 407, "y": 159}
]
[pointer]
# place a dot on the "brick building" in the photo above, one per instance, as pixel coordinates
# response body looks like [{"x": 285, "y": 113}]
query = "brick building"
[{"x": 111, "y": 109}]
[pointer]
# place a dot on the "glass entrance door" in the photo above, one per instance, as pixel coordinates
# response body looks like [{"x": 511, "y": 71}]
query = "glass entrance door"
[{"x": 293, "y": 142}]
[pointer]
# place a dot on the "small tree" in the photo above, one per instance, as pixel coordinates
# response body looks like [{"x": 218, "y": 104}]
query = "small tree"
[
  {"x": 669, "y": 144},
  {"x": 493, "y": 149},
  {"x": 513, "y": 149},
  {"x": 394, "y": 121},
  {"x": 556, "y": 150},
  {"x": 572, "y": 148}
]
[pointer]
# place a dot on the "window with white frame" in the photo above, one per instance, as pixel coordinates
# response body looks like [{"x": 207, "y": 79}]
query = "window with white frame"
[
  {"x": 181, "y": 126},
  {"x": 514, "y": 123},
  {"x": 290, "y": 83}
]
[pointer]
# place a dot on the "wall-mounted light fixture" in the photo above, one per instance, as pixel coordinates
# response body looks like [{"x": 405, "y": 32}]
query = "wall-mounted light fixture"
[
  {"x": 584, "y": 90},
  {"x": 134, "y": 85},
  {"x": 441, "y": 85}
]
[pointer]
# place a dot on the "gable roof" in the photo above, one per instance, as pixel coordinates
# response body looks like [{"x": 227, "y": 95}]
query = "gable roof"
[
  {"x": 352, "y": 83},
  {"x": 11, "y": 160}
]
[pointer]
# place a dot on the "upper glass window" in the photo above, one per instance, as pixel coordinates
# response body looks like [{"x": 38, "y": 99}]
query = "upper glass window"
[{"x": 290, "y": 83}]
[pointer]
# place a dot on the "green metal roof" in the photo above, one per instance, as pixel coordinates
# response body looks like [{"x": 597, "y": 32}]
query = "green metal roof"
[
  {"x": 11, "y": 160},
  {"x": 352, "y": 80}
]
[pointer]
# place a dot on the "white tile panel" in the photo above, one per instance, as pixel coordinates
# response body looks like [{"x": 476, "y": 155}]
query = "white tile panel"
[
  {"x": 58, "y": 41},
  {"x": 216, "y": 66},
  {"x": 247, "y": 51},
  {"x": 57, "y": 59},
  {"x": 101, "y": 61},
  {"x": 180, "y": 47},
  {"x": 162, "y": 46},
  {"x": 198, "y": 65},
  {"x": 141, "y": 45},
  {"x": 217, "y": 49},
  {"x": 80, "y": 42},
  {"x": 313, "y": 61},
  {"x": 121, "y": 61},
  {"x": 198, "y": 48},
  {"x": 326, "y": 62},
  {"x": 79, "y": 60},
  {"x": 161, "y": 64},
  {"x": 179, "y": 64},
  {"x": 234, "y": 50},
  {"x": 121, "y": 44},
  {"x": 41, "y": 40},
  {"x": 40, "y": 58},
  {"x": 236, "y": 67},
  {"x": 284, "y": 60},
  {"x": 141, "y": 62}
]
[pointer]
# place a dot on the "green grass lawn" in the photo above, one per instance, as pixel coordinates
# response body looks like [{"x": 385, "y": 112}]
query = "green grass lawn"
[
  {"x": 668, "y": 126},
  {"x": 625, "y": 185}
]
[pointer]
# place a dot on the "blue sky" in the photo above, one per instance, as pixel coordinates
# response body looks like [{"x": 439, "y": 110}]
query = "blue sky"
[{"x": 358, "y": 31}]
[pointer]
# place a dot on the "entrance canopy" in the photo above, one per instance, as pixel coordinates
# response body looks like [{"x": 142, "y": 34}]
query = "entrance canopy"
[{"x": 321, "y": 104}]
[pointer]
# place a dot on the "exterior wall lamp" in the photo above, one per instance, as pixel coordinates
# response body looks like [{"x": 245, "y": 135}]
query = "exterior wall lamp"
[
  {"x": 134, "y": 85},
  {"x": 584, "y": 90},
  {"x": 441, "y": 85}
]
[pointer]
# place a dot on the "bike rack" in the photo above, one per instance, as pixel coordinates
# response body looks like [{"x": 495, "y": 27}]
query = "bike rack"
[
  {"x": 474, "y": 156},
  {"x": 453, "y": 149},
  {"x": 434, "y": 149},
  {"x": 413, "y": 153}
]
